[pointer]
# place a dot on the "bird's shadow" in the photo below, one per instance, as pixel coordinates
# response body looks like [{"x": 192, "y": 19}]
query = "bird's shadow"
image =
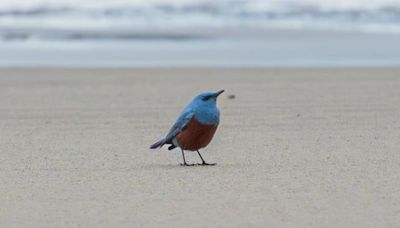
[{"x": 180, "y": 166}]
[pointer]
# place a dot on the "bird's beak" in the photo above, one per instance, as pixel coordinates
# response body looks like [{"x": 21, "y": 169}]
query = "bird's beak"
[{"x": 219, "y": 93}]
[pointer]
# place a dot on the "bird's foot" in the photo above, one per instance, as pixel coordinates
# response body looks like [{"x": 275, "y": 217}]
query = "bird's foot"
[
  {"x": 208, "y": 164},
  {"x": 187, "y": 164},
  {"x": 199, "y": 164}
]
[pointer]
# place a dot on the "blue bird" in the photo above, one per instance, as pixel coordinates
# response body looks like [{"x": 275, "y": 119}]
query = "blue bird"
[{"x": 195, "y": 126}]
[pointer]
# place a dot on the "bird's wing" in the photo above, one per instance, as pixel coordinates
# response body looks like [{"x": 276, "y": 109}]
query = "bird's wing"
[{"x": 180, "y": 124}]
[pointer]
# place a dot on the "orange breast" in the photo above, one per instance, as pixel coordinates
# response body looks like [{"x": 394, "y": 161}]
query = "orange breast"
[{"x": 196, "y": 135}]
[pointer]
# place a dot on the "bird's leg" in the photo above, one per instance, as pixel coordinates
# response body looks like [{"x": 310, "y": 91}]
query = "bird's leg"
[
  {"x": 184, "y": 160},
  {"x": 204, "y": 162}
]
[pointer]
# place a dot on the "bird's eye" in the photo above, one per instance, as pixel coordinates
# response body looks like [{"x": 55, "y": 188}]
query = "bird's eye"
[{"x": 206, "y": 98}]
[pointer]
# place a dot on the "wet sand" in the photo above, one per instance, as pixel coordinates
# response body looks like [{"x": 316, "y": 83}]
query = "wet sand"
[
  {"x": 296, "y": 148},
  {"x": 234, "y": 47}
]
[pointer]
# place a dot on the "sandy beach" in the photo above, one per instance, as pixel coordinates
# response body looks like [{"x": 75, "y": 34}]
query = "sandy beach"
[{"x": 297, "y": 147}]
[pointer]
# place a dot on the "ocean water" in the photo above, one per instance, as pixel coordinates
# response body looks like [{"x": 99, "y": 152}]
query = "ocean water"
[{"x": 199, "y": 32}]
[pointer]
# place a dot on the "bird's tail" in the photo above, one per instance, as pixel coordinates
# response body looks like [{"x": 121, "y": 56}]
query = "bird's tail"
[{"x": 158, "y": 144}]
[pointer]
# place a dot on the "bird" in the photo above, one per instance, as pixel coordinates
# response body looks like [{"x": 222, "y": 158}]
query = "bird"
[{"x": 195, "y": 126}]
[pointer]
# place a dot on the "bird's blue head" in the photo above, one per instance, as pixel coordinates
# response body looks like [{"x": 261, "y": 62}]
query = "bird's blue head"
[
  {"x": 205, "y": 108},
  {"x": 207, "y": 98}
]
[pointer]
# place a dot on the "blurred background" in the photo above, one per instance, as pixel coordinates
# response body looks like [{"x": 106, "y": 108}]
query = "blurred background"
[{"x": 130, "y": 33}]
